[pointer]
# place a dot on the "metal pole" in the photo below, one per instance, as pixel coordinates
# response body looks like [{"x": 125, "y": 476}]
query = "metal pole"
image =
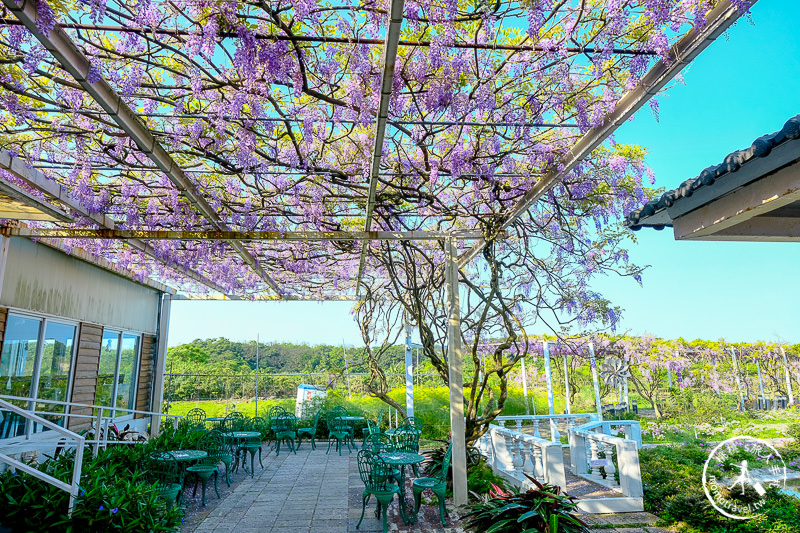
[
  {"x": 409, "y": 373},
  {"x": 454, "y": 355},
  {"x": 566, "y": 385},
  {"x": 593, "y": 362},
  {"x": 788, "y": 379},
  {"x": 346, "y": 371},
  {"x": 525, "y": 387},
  {"x": 549, "y": 377},
  {"x": 760, "y": 385},
  {"x": 257, "y": 339}
]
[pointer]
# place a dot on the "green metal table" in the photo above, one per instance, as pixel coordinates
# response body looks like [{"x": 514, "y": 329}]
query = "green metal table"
[
  {"x": 236, "y": 437},
  {"x": 402, "y": 459}
]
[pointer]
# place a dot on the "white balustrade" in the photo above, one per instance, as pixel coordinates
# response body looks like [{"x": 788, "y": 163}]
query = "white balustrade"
[
  {"x": 515, "y": 454},
  {"x": 627, "y": 459}
]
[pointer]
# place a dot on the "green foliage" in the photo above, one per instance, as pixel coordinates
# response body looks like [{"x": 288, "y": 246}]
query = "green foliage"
[
  {"x": 115, "y": 496},
  {"x": 672, "y": 478},
  {"x": 543, "y": 508}
]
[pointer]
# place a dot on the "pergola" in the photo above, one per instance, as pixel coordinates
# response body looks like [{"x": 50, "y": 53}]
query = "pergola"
[{"x": 259, "y": 150}]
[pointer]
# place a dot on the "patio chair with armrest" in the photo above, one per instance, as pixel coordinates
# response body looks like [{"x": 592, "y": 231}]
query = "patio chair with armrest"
[
  {"x": 375, "y": 475},
  {"x": 338, "y": 430},
  {"x": 379, "y": 443},
  {"x": 206, "y": 467},
  {"x": 310, "y": 432},
  {"x": 285, "y": 431},
  {"x": 407, "y": 440},
  {"x": 218, "y": 447},
  {"x": 163, "y": 472},
  {"x": 437, "y": 484},
  {"x": 340, "y": 410},
  {"x": 372, "y": 427}
]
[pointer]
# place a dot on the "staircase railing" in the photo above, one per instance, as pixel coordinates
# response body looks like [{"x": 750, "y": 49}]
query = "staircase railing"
[
  {"x": 569, "y": 421},
  {"x": 102, "y": 422},
  {"x": 71, "y": 488}
]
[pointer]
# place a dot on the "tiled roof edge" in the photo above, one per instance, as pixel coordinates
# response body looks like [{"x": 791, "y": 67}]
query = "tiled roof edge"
[{"x": 761, "y": 147}]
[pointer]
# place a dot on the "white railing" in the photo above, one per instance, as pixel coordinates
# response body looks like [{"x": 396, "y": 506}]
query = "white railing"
[
  {"x": 514, "y": 454},
  {"x": 552, "y": 421},
  {"x": 632, "y": 429},
  {"x": 73, "y": 488},
  {"x": 620, "y": 459},
  {"x": 101, "y": 426}
]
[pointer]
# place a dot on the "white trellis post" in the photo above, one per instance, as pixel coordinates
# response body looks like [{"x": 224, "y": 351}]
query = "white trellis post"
[
  {"x": 760, "y": 386},
  {"x": 738, "y": 380},
  {"x": 593, "y": 363},
  {"x": 549, "y": 377},
  {"x": 788, "y": 379},
  {"x": 409, "y": 373},
  {"x": 525, "y": 387},
  {"x": 454, "y": 355}
]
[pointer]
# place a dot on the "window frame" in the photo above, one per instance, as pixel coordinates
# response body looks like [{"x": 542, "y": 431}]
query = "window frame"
[
  {"x": 137, "y": 360},
  {"x": 44, "y": 319}
]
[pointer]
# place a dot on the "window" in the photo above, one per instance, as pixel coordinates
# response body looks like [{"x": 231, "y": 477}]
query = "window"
[
  {"x": 119, "y": 365},
  {"x": 35, "y": 362}
]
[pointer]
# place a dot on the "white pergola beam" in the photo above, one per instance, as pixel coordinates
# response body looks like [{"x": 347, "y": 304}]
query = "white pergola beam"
[
  {"x": 681, "y": 54},
  {"x": 743, "y": 210},
  {"x": 39, "y": 181},
  {"x": 66, "y": 52},
  {"x": 395, "y": 24},
  {"x": 92, "y": 233}
]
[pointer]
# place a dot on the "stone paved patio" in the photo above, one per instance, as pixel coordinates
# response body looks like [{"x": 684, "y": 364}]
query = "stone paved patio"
[{"x": 314, "y": 492}]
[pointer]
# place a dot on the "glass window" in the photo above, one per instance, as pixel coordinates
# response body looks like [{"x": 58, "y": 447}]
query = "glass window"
[
  {"x": 18, "y": 359},
  {"x": 57, "y": 353},
  {"x": 128, "y": 356},
  {"x": 108, "y": 368},
  {"x": 119, "y": 364}
]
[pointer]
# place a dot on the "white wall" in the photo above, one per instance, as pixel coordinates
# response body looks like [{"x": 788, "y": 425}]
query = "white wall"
[{"x": 39, "y": 278}]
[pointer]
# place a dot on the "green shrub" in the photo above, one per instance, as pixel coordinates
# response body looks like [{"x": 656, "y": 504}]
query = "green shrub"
[
  {"x": 543, "y": 509},
  {"x": 115, "y": 496}
]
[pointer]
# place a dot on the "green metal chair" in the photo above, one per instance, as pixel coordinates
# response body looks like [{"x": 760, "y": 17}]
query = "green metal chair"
[
  {"x": 274, "y": 413},
  {"x": 285, "y": 431},
  {"x": 438, "y": 485},
  {"x": 375, "y": 475},
  {"x": 372, "y": 427},
  {"x": 250, "y": 445},
  {"x": 338, "y": 429},
  {"x": 196, "y": 418},
  {"x": 379, "y": 443},
  {"x": 205, "y": 468},
  {"x": 310, "y": 432},
  {"x": 163, "y": 471},
  {"x": 218, "y": 447},
  {"x": 407, "y": 440},
  {"x": 340, "y": 410}
]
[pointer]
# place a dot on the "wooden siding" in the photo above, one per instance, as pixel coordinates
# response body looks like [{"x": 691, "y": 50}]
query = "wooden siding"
[
  {"x": 3, "y": 317},
  {"x": 87, "y": 365},
  {"x": 146, "y": 374}
]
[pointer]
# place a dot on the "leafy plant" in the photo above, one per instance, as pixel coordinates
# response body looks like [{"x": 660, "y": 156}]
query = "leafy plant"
[{"x": 542, "y": 509}]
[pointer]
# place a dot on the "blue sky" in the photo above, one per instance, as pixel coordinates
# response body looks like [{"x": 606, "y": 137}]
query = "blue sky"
[{"x": 743, "y": 86}]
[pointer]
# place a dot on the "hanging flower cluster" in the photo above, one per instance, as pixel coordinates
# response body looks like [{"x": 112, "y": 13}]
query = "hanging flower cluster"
[{"x": 270, "y": 109}]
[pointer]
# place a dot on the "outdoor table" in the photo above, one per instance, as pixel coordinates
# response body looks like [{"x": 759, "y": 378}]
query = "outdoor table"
[
  {"x": 184, "y": 458},
  {"x": 351, "y": 421},
  {"x": 238, "y": 436},
  {"x": 215, "y": 420},
  {"x": 402, "y": 459}
]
